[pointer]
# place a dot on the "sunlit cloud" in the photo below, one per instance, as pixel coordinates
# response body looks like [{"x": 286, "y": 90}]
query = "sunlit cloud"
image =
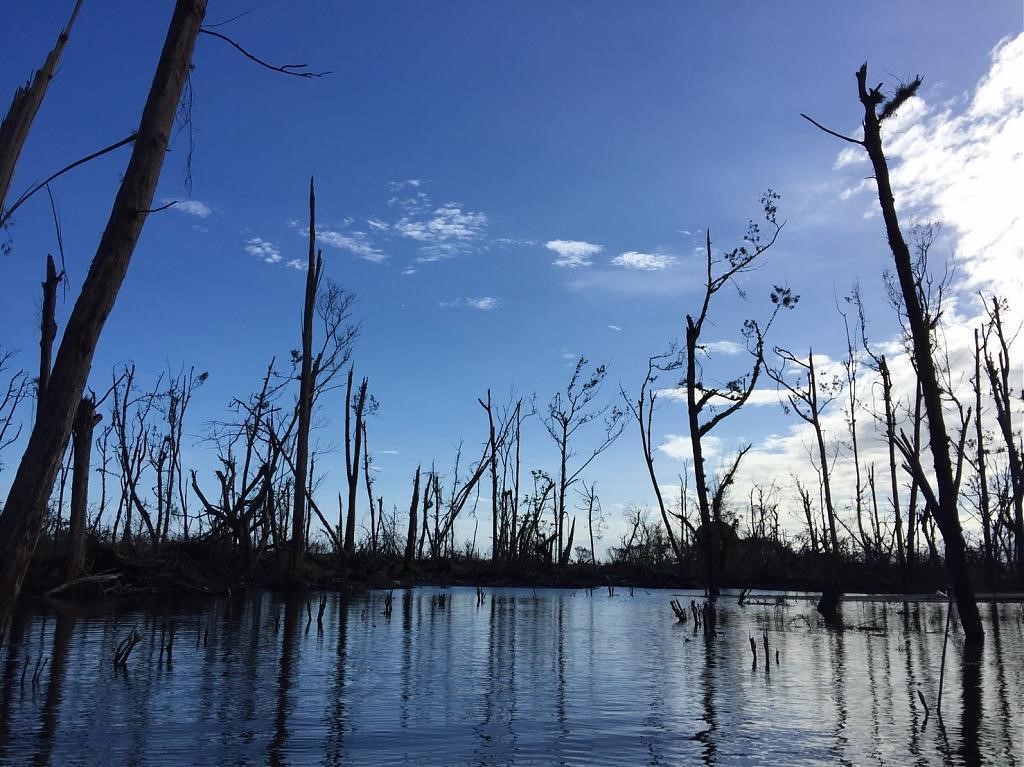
[
  {"x": 572, "y": 254},
  {"x": 190, "y": 207},
  {"x": 650, "y": 262},
  {"x": 263, "y": 250}
]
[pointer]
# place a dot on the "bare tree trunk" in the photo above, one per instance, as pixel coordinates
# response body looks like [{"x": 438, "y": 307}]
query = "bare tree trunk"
[
  {"x": 314, "y": 269},
  {"x": 353, "y": 446},
  {"x": 368, "y": 481},
  {"x": 495, "y": 553},
  {"x": 410, "y": 540},
  {"x": 47, "y": 328},
  {"x": 984, "y": 509},
  {"x": 85, "y": 421},
  {"x": 27, "y": 100},
  {"x": 26, "y": 501},
  {"x": 1002, "y": 394},
  {"x": 944, "y": 507},
  {"x": 894, "y": 487}
]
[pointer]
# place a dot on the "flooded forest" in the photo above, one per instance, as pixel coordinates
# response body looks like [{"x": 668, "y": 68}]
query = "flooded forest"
[{"x": 240, "y": 590}]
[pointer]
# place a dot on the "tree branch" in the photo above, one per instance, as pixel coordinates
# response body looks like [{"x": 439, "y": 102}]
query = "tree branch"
[
  {"x": 286, "y": 69},
  {"x": 831, "y": 132}
]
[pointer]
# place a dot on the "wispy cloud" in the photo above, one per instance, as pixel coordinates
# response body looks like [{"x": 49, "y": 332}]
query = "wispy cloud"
[
  {"x": 190, "y": 207},
  {"x": 297, "y": 263},
  {"x": 482, "y": 303},
  {"x": 263, "y": 250},
  {"x": 572, "y": 254},
  {"x": 650, "y": 262},
  {"x": 355, "y": 242},
  {"x": 616, "y": 328},
  {"x": 723, "y": 347},
  {"x": 448, "y": 222}
]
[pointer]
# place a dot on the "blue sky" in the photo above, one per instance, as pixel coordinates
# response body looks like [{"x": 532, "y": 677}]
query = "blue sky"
[{"x": 452, "y": 143}]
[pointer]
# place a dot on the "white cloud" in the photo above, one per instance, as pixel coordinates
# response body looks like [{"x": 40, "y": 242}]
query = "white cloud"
[
  {"x": 448, "y": 222},
  {"x": 445, "y": 232},
  {"x": 191, "y": 207},
  {"x": 723, "y": 347},
  {"x": 482, "y": 303},
  {"x": 645, "y": 261},
  {"x": 616, "y": 328},
  {"x": 409, "y": 270},
  {"x": 377, "y": 225},
  {"x": 679, "y": 448},
  {"x": 757, "y": 397},
  {"x": 354, "y": 242},
  {"x": 263, "y": 250},
  {"x": 572, "y": 253},
  {"x": 297, "y": 263}
]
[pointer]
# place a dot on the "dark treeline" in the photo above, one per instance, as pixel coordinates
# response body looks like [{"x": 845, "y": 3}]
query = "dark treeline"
[{"x": 104, "y": 486}]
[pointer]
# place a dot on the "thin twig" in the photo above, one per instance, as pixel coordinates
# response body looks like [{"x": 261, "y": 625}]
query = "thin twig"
[
  {"x": 236, "y": 17},
  {"x": 286, "y": 69},
  {"x": 171, "y": 204},
  {"x": 39, "y": 185},
  {"x": 831, "y": 132}
]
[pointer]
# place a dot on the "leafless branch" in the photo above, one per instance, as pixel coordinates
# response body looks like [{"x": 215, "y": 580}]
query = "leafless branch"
[{"x": 285, "y": 69}]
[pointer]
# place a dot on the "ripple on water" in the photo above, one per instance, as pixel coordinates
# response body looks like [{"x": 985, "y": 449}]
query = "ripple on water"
[{"x": 545, "y": 677}]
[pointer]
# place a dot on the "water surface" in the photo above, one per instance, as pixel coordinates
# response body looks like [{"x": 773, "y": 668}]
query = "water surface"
[{"x": 525, "y": 677}]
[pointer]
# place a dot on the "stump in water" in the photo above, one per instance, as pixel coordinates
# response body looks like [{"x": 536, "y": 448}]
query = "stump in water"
[{"x": 828, "y": 604}]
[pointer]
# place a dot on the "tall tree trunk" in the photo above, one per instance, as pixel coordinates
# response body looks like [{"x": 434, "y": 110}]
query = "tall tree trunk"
[
  {"x": 894, "y": 486},
  {"x": 984, "y": 508},
  {"x": 47, "y": 328},
  {"x": 709, "y": 541},
  {"x": 27, "y": 100},
  {"x": 1002, "y": 394},
  {"x": 85, "y": 421},
  {"x": 495, "y": 552},
  {"x": 410, "y": 540},
  {"x": 945, "y": 511},
  {"x": 26, "y": 500},
  {"x": 353, "y": 446},
  {"x": 314, "y": 268}
]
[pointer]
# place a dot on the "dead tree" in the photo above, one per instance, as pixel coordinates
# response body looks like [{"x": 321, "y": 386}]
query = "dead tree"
[
  {"x": 808, "y": 398},
  {"x": 595, "y": 515},
  {"x": 14, "y": 388},
  {"x": 981, "y": 465},
  {"x": 81, "y": 439},
  {"x": 27, "y": 100},
  {"x": 880, "y": 365},
  {"x": 493, "y": 463},
  {"x": 942, "y": 500},
  {"x": 304, "y": 408},
  {"x": 735, "y": 393},
  {"x": 567, "y": 413},
  {"x": 355, "y": 405},
  {"x": 48, "y": 327},
  {"x": 410, "y": 541},
  {"x": 26, "y": 500},
  {"x": 642, "y": 411},
  {"x": 999, "y": 370}
]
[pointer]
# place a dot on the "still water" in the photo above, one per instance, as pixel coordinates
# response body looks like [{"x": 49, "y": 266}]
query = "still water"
[{"x": 521, "y": 677}]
